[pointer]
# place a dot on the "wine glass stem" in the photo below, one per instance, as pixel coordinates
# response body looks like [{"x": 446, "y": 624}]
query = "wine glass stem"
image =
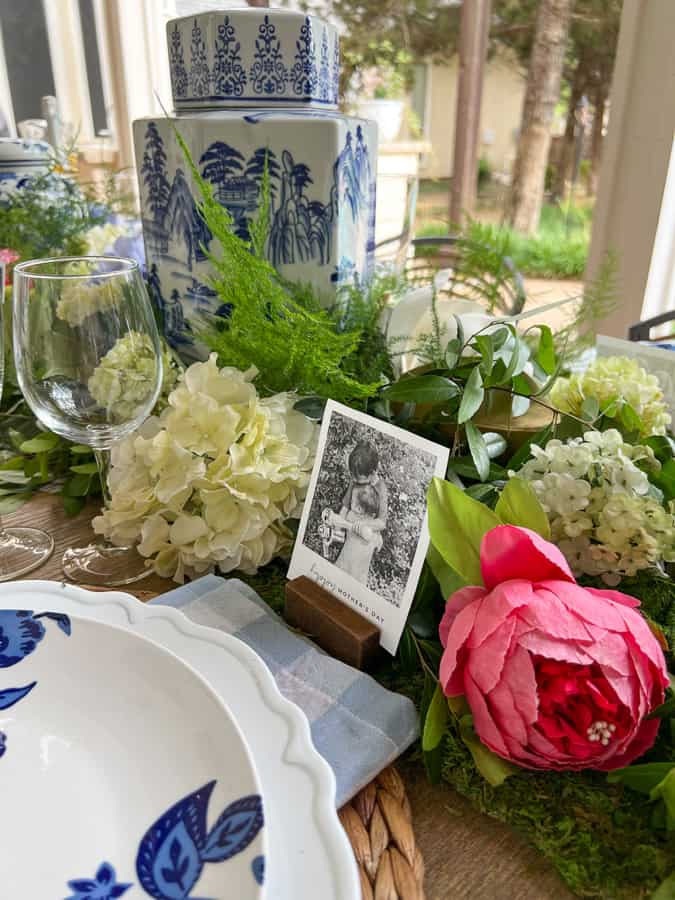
[{"x": 103, "y": 463}]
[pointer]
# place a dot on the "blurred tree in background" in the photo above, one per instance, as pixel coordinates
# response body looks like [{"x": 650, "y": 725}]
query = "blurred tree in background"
[{"x": 576, "y": 41}]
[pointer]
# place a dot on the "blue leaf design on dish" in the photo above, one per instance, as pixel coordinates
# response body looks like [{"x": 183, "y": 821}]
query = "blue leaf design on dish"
[
  {"x": 20, "y": 634},
  {"x": 3, "y": 744},
  {"x": 61, "y": 619},
  {"x": 104, "y": 886},
  {"x": 236, "y": 827},
  {"x": 168, "y": 863},
  {"x": 258, "y": 869},
  {"x": 10, "y": 696}
]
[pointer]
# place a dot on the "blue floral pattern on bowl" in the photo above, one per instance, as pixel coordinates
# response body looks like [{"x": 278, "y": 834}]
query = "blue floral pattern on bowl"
[
  {"x": 20, "y": 633},
  {"x": 174, "y": 850},
  {"x": 103, "y": 886}
]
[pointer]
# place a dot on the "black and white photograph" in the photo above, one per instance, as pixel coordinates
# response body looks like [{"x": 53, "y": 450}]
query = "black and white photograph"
[{"x": 363, "y": 533}]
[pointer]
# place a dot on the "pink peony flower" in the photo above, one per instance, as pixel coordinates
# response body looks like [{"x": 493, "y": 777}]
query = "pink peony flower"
[{"x": 557, "y": 676}]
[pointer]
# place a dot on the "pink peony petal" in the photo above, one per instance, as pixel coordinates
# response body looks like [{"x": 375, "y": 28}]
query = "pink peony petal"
[
  {"x": 567, "y": 651},
  {"x": 456, "y": 603},
  {"x": 485, "y": 726},
  {"x": 521, "y": 756},
  {"x": 549, "y": 753},
  {"x": 519, "y": 675},
  {"x": 645, "y": 639},
  {"x": 615, "y": 596},
  {"x": 508, "y": 552},
  {"x": 625, "y": 687},
  {"x": 486, "y": 664},
  {"x": 610, "y": 651},
  {"x": 450, "y": 674},
  {"x": 596, "y": 610},
  {"x": 548, "y": 614},
  {"x": 508, "y": 718},
  {"x": 643, "y": 670},
  {"x": 641, "y": 742},
  {"x": 497, "y": 607}
]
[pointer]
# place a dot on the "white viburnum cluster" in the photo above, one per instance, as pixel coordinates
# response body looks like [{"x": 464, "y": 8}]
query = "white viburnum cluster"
[
  {"x": 613, "y": 381},
  {"x": 125, "y": 377},
  {"x": 598, "y": 501},
  {"x": 210, "y": 482}
]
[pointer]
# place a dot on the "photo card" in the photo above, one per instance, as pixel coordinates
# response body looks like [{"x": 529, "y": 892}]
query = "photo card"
[{"x": 363, "y": 534}]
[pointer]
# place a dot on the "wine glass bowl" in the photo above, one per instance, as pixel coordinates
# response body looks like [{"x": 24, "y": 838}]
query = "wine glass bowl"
[
  {"x": 89, "y": 364},
  {"x": 82, "y": 327}
]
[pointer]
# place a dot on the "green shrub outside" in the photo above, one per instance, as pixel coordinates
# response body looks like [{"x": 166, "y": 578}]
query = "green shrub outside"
[{"x": 559, "y": 249}]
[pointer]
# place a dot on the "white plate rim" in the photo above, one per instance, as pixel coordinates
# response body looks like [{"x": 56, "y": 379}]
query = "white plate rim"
[{"x": 299, "y": 751}]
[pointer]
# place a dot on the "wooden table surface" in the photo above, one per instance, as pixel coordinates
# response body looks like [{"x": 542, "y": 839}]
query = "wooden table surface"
[{"x": 467, "y": 855}]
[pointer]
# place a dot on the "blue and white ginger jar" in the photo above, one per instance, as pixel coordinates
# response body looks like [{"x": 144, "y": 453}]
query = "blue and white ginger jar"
[
  {"x": 20, "y": 161},
  {"x": 250, "y": 85}
]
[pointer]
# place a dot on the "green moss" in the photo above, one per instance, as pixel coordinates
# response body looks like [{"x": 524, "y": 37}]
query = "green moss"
[{"x": 597, "y": 835}]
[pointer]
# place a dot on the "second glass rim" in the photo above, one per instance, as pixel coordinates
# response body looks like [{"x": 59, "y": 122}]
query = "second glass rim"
[{"x": 24, "y": 268}]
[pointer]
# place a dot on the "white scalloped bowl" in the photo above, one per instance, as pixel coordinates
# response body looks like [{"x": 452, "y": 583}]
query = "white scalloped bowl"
[{"x": 122, "y": 771}]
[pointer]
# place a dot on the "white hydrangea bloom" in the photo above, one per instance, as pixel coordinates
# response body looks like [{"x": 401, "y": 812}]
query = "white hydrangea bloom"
[
  {"x": 100, "y": 237},
  {"x": 81, "y": 298},
  {"x": 210, "y": 482},
  {"x": 125, "y": 378},
  {"x": 599, "y": 505}
]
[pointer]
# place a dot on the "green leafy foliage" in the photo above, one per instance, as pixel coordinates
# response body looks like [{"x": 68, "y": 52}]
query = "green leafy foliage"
[
  {"x": 36, "y": 228},
  {"x": 457, "y": 524},
  {"x": 478, "y": 449},
  {"x": 421, "y": 389},
  {"x": 518, "y": 505},
  {"x": 435, "y": 721},
  {"x": 31, "y": 458},
  {"x": 493, "y": 768},
  {"x": 465, "y": 379}
]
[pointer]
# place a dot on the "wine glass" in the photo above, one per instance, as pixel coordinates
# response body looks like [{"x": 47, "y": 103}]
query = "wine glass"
[
  {"x": 21, "y": 549},
  {"x": 88, "y": 361}
]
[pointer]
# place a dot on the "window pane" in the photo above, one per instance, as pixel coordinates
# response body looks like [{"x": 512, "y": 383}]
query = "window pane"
[
  {"x": 29, "y": 65},
  {"x": 93, "y": 63}
]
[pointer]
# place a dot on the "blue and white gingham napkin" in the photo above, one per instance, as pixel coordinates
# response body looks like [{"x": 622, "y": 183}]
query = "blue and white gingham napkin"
[{"x": 357, "y": 726}]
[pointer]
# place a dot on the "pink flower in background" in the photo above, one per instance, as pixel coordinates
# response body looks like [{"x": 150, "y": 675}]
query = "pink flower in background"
[
  {"x": 557, "y": 676},
  {"x": 7, "y": 257}
]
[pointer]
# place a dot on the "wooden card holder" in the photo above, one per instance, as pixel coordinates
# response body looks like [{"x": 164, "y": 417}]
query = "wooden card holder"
[{"x": 336, "y": 628}]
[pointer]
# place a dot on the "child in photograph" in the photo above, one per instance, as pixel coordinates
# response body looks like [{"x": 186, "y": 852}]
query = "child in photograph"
[{"x": 362, "y": 517}]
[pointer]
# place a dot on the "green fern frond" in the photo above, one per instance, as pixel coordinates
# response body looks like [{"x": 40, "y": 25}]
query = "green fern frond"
[{"x": 293, "y": 345}]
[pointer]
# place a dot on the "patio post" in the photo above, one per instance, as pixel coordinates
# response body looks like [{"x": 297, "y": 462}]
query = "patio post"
[{"x": 475, "y": 26}]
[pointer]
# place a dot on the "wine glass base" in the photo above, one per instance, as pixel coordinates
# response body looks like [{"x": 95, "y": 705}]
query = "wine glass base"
[
  {"x": 22, "y": 550},
  {"x": 104, "y": 566}
]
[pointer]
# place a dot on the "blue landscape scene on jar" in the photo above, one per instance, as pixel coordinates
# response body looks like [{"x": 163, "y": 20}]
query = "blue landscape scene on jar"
[{"x": 303, "y": 229}]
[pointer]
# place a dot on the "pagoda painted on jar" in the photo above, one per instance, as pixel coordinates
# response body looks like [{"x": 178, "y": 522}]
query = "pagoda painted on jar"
[{"x": 254, "y": 88}]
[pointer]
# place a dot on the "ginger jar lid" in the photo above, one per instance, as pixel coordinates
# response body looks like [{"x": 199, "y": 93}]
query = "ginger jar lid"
[
  {"x": 253, "y": 57},
  {"x": 20, "y": 153}
]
